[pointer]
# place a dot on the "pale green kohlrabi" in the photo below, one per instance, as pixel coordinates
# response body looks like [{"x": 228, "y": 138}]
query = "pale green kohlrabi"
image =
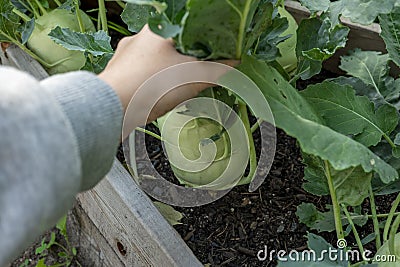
[
  {"x": 207, "y": 147},
  {"x": 43, "y": 46},
  {"x": 287, "y": 48}
]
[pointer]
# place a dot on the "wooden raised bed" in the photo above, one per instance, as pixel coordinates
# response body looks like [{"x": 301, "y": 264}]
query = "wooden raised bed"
[{"x": 115, "y": 223}]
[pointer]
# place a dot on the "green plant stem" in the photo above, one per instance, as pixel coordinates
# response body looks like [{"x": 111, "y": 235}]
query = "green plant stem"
[
  {"x": 103, "y": 15},
  {"x": 375, "y": 218},
  {"x": 256, "y": 125},
  {"x": 114, "y": 26},
  {"x": 121, "y": 4},
  {"x": 390, "y": 218},
  {"x": 242, "y": 29},
  {"x": 383, "y": 215},
  {"x": 392, "y": 236},
  {"x": 78, "y": 16},
  {"x": 149, "y": 133},
  {"x": 387, "y": 138},
  {"x": 57, "y": 3},
  {"x": 36, "y": 14},
  {"x": 335, "y": 204},
  {"x": 353, "y": 227},
  {"x": 253, "y": 159},
  {"x": 41, "y": 8},
  {"x": 23, "y": 16}
]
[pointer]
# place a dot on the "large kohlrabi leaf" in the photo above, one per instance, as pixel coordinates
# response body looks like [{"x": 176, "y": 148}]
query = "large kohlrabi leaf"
[
  {"x": 349, "y": 114},
  {"x": 136, "y": 16},
  {"x": 9, "y": 22},
  {"x": 390, "y": 25},
  {"x": 160, "y": 6},
  {"x": 351, "y": 185},
  {"x": 362, "y": 11},
  {"x": 324, "y": 221},
  {"x": 97, "y": 43},
  {"x": 369, "y": 66},
  {"x": 296, "y": 117},
  {"x": 314, "y": 6},
  {"x": 316, "y": 42},
  {"x": 216, "y": 29},
  {"x": 373, "y": 69}
]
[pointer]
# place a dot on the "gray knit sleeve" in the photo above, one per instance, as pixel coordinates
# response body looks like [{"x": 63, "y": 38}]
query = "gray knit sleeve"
[
  {"x": 57, "y": 137},
  {"x": 95, "y": 113}
]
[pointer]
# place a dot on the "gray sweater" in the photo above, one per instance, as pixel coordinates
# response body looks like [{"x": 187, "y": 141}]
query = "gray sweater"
[{"x": 57, "y": 137}]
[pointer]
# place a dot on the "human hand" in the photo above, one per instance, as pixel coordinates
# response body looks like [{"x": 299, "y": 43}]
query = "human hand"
[{"x": 139, "y": 57}]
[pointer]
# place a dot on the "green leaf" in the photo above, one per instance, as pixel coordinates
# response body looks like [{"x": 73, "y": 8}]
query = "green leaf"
[
  {"x": 390, "y": 25},
  {"x": 97, "y": 43},
  {"x": 364, "y": 11},
  {"x": 314, "y": 174},
  {"x": 384, "y": 251},
  {"x": 62, "y": 254},
  {"x": 39, "y": 250},
  {"x": 315, "y": 6},
  {"x": 310, "y": 216},
  {"x": 62, "y": 225},
  {"x": 297, "y": 118},
  {"x": 349, "y": 114},
  {"x": 361, "y": 89},
  {"x": 27, "y": 30},
  {"x": 351, "y": 185},
  {"x": 74, "y": 252},
  {"x": 52, "y": 240},
  {"x": 216, "y": 29},
  {"x": 9, "y": 22},
  {"x": 369, "y": 66},
  {"x": 397, "y": 139},
  {"x": 160, "y": 25},
  {"x": 316, "y": 42},
  {"x": 159, "y": 6},
  {"x": 267, "y": 48},
  {"x": 136, "y": 16},
  {"x": 176, "y": 9},
  {"x": 41, "y": 263},
  {"x": 170, "y": 214},
  {"x": 97, "y": 64}
]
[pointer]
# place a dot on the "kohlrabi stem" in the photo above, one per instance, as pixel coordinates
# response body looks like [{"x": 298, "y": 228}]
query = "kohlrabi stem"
[
  {"x": 121, "y": 4},
  {"x": 392, "y": 236},
  {"x": 36, "y": 14},
  {"x": 256, "y": 125},
  {"x": 253, "y": 159},
  {"x": 23, "y": 16},
  {"x": 335, "y": 204},
  {"x": 353, "y": 227},
  {"x": 41, "y": 8},
  {"x": 57, "y": 3},
  {"x": 78, "y": 16},
  {"x": 375, "y": 218},
  {"x": 390, "y": 218},
  {"x": 387, "y": 138},
  {"x": 149, "y": 133},
  {"x": 242, "y": 29},
  {"x": 103, "y": 15},
  {"x": 383, "y": 215}
]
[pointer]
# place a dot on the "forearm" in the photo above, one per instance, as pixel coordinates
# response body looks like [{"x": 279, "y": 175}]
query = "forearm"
[{"x": 58, "y": 137}]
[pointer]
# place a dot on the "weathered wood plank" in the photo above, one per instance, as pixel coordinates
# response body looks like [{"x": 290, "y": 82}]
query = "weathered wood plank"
[
  {"x": 136, "y": 230},
  {"x": 115, "y": 223}
]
